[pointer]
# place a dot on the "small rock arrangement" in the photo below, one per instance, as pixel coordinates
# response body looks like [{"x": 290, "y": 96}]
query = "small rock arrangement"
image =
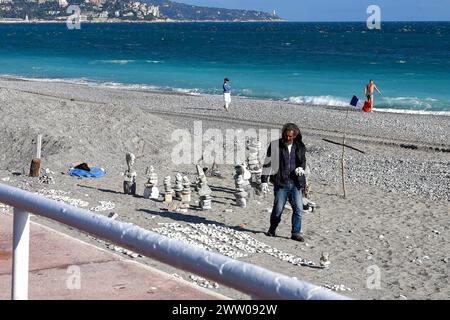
[
  {"x": 151, "y": 190},
  {"x": 47, "y": 177},
  {"x": 242, "y": 184},
  {"x": 60, "y": 195},
  {"x": 185, "y": 195},
  {"x": 202, "y": 282},
  {"x": 204, "y": 193},
  {"x": 178, "y": 186},
  {"x": 129, "y": 181},
  {"x": 254, "y": 147},
  {"x": 115, "y": 248},
  {"x": 168, "y": 191},
  {"x": 324, "y": 260},
  {"x": 337, "y": 287},
  {"x": 104, "y": 206}
]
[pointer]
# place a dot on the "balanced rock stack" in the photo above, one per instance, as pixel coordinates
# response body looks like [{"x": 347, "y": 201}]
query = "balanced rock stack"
[
  {"x": 325, "y": 260},
  {"x": 254, "y": 165},
  {"x": 239, "y": 150},
  {"x": 204, "y": 192},
  {"x": 178, "y": 186},
  {"x": 215, "y": 172},
  {"x": 129, "y": 181},
  {"x": 47, "y": 178},
  {"x": 242, "y": 185},
  {"x": 200, "y": 176},
  {"x": 185, "y": 195},
  {"x": 168, "y": 191},
  {"x": 151, "y": 190}
]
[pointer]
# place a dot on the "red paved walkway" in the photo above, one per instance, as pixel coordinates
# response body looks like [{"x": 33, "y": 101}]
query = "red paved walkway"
[{"x": 103, "y": 274}]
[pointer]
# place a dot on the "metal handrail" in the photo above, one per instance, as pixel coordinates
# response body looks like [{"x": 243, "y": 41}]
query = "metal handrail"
[{"x": 256, "y": 281}]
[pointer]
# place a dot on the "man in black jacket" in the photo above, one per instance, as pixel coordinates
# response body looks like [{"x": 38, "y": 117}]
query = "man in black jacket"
[{"x": 285, "y": 166}]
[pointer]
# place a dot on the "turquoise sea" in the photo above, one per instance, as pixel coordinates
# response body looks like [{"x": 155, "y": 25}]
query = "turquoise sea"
[{"x": 308, "y": 63}]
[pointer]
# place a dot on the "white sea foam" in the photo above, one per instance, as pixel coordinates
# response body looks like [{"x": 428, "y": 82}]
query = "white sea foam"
[
  {"x": 320, "y": 101},
  {"x": 406, "y": 105},
  {"x": 110, "y": 84},
  {"x": 422, "y": 112},
  {"x": 192, "y": 92},
  {"x": 412, "y": 105},
  {"x": 145, "y": 87},
  {"x": 247, "y": 91},
  {"x": 112, "y": 61}
]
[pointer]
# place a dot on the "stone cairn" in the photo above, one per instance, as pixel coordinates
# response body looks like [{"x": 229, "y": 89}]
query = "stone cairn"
[
  {"x": 151, "y": 190},
  {"x": 185, "y": 195},
  {"x": 200, "y": 173},
  {"x": 242, "y": 184},
  {"x": 204, "y": 193},
  {"x": 254, "y": 165},
  {"x": 129, "y": 181},
  {"x": 168, "y": 191},
  {"x": 325, "y": 260},
  {"x": 47, "y": 178},
  {"x": 178, "y": 186},
  {"x": 215, "y": 172}
]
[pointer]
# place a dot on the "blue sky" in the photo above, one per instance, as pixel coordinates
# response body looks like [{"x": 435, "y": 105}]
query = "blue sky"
[{"x": 340, "y": 10}]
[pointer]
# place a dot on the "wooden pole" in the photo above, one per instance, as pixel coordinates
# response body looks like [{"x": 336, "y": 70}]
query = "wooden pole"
[
  {"x": 38, "y": 146},
  {"x": 343, "y": 154},
  {"x": 35, "y": 167}
]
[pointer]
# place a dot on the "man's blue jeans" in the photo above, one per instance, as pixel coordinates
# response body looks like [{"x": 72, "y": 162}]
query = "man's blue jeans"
[{"x": 281, "y": 195}]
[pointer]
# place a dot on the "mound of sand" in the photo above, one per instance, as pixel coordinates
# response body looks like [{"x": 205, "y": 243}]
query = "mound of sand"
[{"x": 74, "y": 131}]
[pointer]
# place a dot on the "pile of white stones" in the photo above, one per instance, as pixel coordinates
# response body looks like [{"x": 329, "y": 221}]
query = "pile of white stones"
[
  {"x": 118, "y": 249},
  {"x": 226, "y": 241},
  {"x": 104, "y": 206},
  {"x": 60, "y": 195},
  {"x": 202, "y": 282},
  {"x": 122, "y": 250},
  {"x": 337, "y": 287}
]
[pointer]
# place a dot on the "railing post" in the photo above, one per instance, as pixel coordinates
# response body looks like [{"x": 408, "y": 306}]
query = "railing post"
[
  {"x": 21, "y": 245},
  {"x": 38, "y": 146}
]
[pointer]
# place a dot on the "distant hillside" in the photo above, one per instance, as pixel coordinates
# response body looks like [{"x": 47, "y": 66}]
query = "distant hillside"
[
  {"x": 124, "y": 10},
  {"x": 181, "y": 11}
]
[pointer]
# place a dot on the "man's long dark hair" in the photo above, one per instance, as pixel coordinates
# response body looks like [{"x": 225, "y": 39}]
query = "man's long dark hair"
[{"x": 291, "y": 127}]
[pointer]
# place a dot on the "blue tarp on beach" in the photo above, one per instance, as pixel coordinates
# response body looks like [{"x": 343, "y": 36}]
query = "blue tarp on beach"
[{"x": 94, "y": 173}]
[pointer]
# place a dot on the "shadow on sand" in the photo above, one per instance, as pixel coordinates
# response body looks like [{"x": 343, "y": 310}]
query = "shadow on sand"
[{"x": 183, "y": 217}]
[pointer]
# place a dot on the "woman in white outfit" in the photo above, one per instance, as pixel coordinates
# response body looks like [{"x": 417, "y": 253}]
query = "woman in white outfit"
[{"x": 226, "y": 93}]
